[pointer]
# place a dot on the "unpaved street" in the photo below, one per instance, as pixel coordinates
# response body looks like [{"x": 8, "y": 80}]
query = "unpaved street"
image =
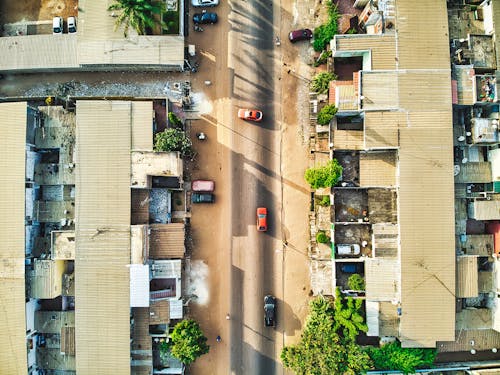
[{"x": 253, "y": 165}]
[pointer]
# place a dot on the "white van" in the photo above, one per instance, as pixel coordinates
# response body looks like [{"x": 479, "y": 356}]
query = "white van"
[
  {"x": 71, "y": 25},
  {"x": 348, "y": 249},
  {"x": 57, "y": 25}
]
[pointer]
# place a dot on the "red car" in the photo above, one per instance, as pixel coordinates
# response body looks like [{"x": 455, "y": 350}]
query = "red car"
[
  {"x": 250, "y": 114},
  {"x": 261, "y": 219},
  {"x": 302, "y": 34}
]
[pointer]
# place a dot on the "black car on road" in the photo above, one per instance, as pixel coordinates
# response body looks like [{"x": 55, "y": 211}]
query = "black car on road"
[
  {"x": 202, "y": 198},
  {"x": 269, "y": 311},
  {"x": 204, "y": 18}
]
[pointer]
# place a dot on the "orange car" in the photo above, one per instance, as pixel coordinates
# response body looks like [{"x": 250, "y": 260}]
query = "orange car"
[
  {"x": 261, "y": 219},
  {"x": 250, "y": 114}
]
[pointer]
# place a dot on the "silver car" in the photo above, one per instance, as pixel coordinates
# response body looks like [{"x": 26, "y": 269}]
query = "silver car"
[{"x": 204, "y": 3}]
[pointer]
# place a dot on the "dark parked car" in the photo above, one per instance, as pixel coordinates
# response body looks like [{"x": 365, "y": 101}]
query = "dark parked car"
[
  {"x": 205, "y": 17},
  {"x": 269, "y": 311},
  {"x": 352, "y": 267},
  {"x": 202, "y": 198},
  {"x": 302, "y": 34}
]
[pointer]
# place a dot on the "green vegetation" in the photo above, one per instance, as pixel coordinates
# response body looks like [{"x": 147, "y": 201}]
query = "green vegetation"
[
  {"x": 356, "y": 282},
  {"x": 171, "y": 22},
  {"x": 187, "y": 342},
  {"x": 393, "y": 357},
  {"x": 326, "y": 114},
  {"x": 173, "y": 139},
  {"x": 324, "y": 33},
  {"x": 323, "y": 349},
  {"x": 324, "y": 201},
  {"x": 323, "y": 58},
  {"x": 138, "y": 14},
  {"x": 321, "y": 237},
  {"x": 321, "y": 82},
  {"x": 174, "y": 120},
  {"x": 324, "y": 176}
]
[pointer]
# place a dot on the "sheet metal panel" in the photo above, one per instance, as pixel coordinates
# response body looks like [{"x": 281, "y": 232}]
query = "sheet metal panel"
[
  {"x": 13, "y": 359},
  {"x": 422, "y": 35},
  {"x": 382, "y": 47},
  {"x": 426, "y": 218},
  {"x": 381, "y": 128},
  {"x": 142, "y": 125},
  {"x": 102, "y": 289}
]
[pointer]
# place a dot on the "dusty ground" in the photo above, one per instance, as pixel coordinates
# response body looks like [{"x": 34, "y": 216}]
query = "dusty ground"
[
  {"x": 293, "y": 70},
  {"x": 35, "y": 10}
]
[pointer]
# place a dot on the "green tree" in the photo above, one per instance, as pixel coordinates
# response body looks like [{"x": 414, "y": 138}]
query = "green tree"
[
  {"x": 321, "y": 82},
  {"x": 321, "y": 237},
  {"x": 174, "y": 120},
  {"x": 356, "y": 282},
  {"x": 188, "y": 342},
  {"x": 393, "y": 357},
  {"x": 324, "y": 176},
  {"x": 348, "y": 317},
  {"x": 324, "y": 33},
  {"x": 138, "y": 14},
  {"x": 173, "y": 139},
  {"x": 321, "y": 350},
  {"x": 326, "y": 114}
]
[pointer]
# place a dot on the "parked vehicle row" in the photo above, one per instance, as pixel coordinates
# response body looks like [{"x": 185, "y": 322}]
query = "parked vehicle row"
[
  {"x": 202, "y": 191},
  {"x": 58, "y": 25}
]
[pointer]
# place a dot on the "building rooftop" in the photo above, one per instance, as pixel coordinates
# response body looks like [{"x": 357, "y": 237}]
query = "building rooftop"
[
  {"x": 103, "y": 229},
  {"x": 13, "y": 117},
  {"x": 416, "y": 95}
]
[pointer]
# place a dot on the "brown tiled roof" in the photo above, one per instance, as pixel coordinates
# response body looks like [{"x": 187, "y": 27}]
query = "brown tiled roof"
[{"x": 166, "y": 241}]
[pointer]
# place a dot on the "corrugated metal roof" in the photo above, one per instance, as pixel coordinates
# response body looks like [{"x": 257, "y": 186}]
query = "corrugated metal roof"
[
  {"x": 388, "y": 319},
  {"x": 427, "y": 232},
  {"x": 485, "y": 210},
  {"x": 382, "y": 47},
  {"x": 68, "y": 340},
  {"x": 379, "y": 90},
  {"x": 377, "y": 169},
  {"x": 422, "y": 35},
  {"x": 478, "y": 244},
  {"x": 159, "y": 312},
  {"x": 139, "y": 285},
  {"x": 421, "y": 89},
  {"x": 46, "y": 279},
  {"x": 140, "y": 206},
  {"x": 467, "y": 278},
  {"x": 346, "y": 98},
  {"x": 477, "y": 172},
  {"x": 166, "y": 241},
  {"x": 424, "y": 93},
  {"x": 464, "y": 75},
  {"x": 38, "y": 52},
  {"x": 484, "y": 339},
  {"x": 472, "y": 318},
  {"x": 156, "y": 51},
  {"x": 382, "y": 279},
  {"x": 102, "y": 290},
  {"x": 495, "y": 8},
  {"x": 99, "y": 43},
  {"x": 142, "y": 125},
  {"x": 348, "y": 140},
  {"x": 13, "y": 117},
  {"x": 485, "y": 282},
  {"x": 381, "y": 128}
]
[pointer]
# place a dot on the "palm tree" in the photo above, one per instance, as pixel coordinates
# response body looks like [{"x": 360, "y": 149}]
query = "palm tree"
[{"x": 138, "y": 14}]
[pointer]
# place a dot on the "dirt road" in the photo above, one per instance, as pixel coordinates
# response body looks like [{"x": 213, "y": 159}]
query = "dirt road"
[{"x": 252, "y": 165}]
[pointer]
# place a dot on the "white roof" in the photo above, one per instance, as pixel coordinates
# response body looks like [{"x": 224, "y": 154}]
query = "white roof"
[{"x": 139, "y": 285}]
